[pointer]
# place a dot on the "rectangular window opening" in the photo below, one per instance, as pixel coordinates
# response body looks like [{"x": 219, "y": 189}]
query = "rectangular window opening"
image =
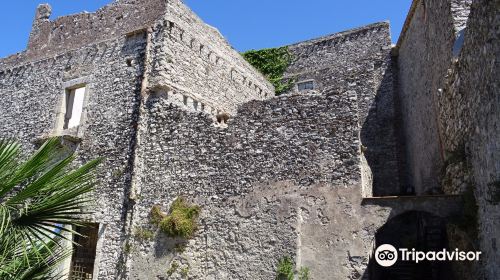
[
  {"x": 74, "y": 107},
  {"x": 84, "y": 254},
  {"x": 309, "y": 85}
]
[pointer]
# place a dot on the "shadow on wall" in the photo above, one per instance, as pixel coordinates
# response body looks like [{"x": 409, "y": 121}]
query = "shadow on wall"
[
  {"x": 379, "y": 134},
  {"x": 424, "y": 232},
  {"x": 414, "y": 229},
  {"x": 131, "y": 43}
]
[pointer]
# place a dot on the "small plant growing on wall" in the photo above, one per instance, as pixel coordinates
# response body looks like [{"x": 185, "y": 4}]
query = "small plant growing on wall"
[
  {"x": 304, "y": 273},
  {"x": 173, "y": 268},
  {"x": 144, "y": 234},
  {"x": 180, "y": 221},
  {"x": 286, "y": 270},
  {"x": 185, "y": 272}
]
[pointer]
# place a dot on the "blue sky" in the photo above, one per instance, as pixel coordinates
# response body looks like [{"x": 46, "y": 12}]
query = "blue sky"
[{"x": 248, "y": 25}]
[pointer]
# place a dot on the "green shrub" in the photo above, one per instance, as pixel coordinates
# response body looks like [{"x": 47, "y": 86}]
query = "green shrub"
[
  {"x": 272, "y": 63},
  {"x": 180, "y": 221},
  {"x": 285, "y": 270}
]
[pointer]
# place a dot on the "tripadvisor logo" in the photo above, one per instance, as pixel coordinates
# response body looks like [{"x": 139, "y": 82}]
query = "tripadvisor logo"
[{"x": 386, "y": 255}]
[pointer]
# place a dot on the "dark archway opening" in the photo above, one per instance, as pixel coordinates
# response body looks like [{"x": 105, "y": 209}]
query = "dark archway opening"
[{"x": 422, "y": 231}]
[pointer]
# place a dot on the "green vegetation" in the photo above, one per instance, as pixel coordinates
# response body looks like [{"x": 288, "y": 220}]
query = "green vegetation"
[
  {"x": 180, "y": 221},
  {"x": 156, "y": 215},
  {"x": 41, "y": 198},
  {"x": 272, "y": 63},
  {"x": 180, "y": 248},
  {"x": 304, "y": 273},
  {"x": 128, "y": 248},
  {"x": 144, "y": 234},
  {"x": 185, "y": 271},
  {"x": 286, "y": 270},
  {"x": 173, "y": 268}
]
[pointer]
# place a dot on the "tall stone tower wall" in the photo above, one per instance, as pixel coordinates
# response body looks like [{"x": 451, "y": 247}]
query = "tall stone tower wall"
[
  {"x": 359, "y": 60},
  {"x": 283, "y": 179},
  {"x": 305, "y": 175},
  {"x": 425, "y": 51},
  {"x": 50, "y": 38},
  {"x": 194, "y": 65},
  {"x": 448, "y": 78},
  {"x": 31, "y": 100},
  {"x": 117, "y": 54}
]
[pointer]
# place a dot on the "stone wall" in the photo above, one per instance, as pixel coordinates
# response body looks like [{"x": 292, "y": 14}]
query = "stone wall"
[
  {"x": 288, "y": 175},
  {"x": 195, "y": 65},
  {"x": 456, "y": 115},
  {"x": 284, "y": 177},
  {"x": 460, "y": 10},
  {"x": 51, "y": 37},
  {"x": 31, "y": 95},
  {"x": 358, "y": 60},
  {"x": 118, "y": 73},
  {"x": 424, "y": 54},
  {"x": 247, "y": 179},
  {"x": 469, "y": 117}
]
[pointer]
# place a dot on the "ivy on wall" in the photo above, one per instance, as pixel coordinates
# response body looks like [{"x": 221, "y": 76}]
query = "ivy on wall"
[{"x": 272, "y": 63}]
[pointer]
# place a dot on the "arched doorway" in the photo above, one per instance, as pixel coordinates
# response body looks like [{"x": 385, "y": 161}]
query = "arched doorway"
[{"x": 415, "y": 229}]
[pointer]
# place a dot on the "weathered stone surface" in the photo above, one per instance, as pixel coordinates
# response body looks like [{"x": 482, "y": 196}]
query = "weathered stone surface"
[
  {"x": 470, "y": 115},
  {"x": 425, "y": 51},
  {"x": 30, "y": 97},
  {"x": 252, "y": 180},
  {"x": 221, "y": 79},
  {"x": 358, "y": 61},
  {"x": 451, "y": 109},
  {"x": 285, "y": 176}
]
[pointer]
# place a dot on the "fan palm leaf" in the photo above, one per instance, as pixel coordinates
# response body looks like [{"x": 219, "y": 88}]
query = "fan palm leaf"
[{"x": 41, "y": 198}]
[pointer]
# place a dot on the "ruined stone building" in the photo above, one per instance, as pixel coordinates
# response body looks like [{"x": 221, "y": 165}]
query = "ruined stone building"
[{"x": 373, "y": 144}]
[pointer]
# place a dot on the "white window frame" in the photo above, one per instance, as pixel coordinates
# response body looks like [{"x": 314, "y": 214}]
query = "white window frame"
[
  {"x": 67, "y": 87},
  {"x": 74, "y": 107}
]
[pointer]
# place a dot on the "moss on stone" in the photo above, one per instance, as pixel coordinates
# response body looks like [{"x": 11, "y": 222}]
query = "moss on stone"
[
  {"x": 180, "y": 221},
  {"x": 144, "y": 234},
  {"x": 185, "y": 272},
  {"x": 156, "y": 215},
  {"x": 173, "y": 268}
]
